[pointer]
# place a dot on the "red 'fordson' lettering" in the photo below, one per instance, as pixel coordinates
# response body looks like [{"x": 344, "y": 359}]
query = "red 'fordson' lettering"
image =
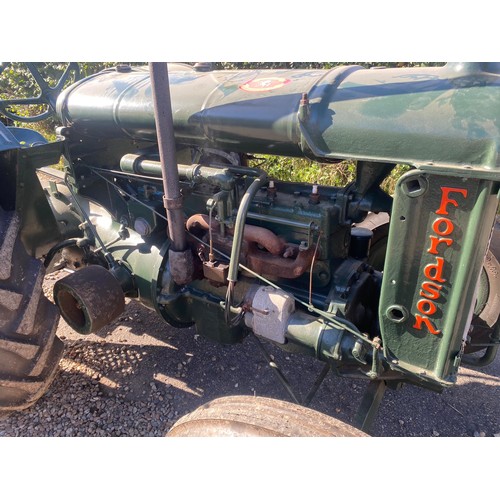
[{"x": 434, "y": 271}]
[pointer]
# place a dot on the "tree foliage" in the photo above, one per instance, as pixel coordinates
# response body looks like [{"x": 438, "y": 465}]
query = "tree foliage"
[
  {"x": 319, "y": 65},
  {"x": 17, "y": 82}
]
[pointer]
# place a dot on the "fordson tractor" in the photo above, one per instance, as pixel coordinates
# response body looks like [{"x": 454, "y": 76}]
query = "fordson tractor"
[{"x": 163, "y": 198}]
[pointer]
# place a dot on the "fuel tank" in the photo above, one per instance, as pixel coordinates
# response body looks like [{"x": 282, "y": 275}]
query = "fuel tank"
[{"x": 444, "y": 116}]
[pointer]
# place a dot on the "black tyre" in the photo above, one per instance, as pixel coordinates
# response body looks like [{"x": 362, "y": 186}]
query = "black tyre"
[
  {"x": 29, "y": 349},
  {"x": 487, "y": 311},
  {"x": 252, "y": 416}
]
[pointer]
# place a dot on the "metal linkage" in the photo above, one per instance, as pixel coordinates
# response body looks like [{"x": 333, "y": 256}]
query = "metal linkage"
[
  {"x": 284, "y": 381},
  {"x": 316, "y": 385},
  {"x": 490, "y": 352},
  {"x": 370, "y": 404},
  {"x": 107, "y": 255}
]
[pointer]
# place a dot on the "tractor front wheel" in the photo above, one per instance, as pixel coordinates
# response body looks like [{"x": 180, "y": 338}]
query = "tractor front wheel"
[{"x": 254, "y": 416}]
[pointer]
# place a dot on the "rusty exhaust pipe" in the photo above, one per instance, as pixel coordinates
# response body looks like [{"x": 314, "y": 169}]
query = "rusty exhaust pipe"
[{"x": 181, "y": 261}]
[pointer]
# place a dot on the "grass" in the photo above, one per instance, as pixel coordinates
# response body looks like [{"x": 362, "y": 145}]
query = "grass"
[{"x": 307, "y": 171}]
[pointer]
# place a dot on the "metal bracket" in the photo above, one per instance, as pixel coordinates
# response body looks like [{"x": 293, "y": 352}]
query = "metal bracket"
[{"x": 172, "y": 203}]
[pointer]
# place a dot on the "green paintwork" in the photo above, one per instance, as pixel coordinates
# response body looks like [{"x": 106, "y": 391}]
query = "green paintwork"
[
  {"x": 314, "y": 337},
  {"x": 22, "y": 151},
  {"x": 442, "y": 121},
  {"x": 142, "y": 267},
  {"x": 39, "y": 230},
  {"x": 431, "y": 356},
  {"x": 448, "y": 115}
]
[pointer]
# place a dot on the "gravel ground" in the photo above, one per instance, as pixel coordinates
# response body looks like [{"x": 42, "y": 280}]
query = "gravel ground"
[{"x": 139, "y": 375}]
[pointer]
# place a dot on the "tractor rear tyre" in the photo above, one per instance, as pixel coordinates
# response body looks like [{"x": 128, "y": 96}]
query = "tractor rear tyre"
[
  {"x": 29, "y": 349},
  {"x": 253, "y": 416}
]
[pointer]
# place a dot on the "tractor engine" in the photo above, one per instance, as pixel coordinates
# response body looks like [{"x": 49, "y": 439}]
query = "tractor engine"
[
  {"x": 297, "y": 242},
  {"x": 215, "y": 242}
]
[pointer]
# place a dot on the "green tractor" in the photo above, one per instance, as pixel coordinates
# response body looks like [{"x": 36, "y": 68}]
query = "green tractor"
[{"x": 162, "y": 199}]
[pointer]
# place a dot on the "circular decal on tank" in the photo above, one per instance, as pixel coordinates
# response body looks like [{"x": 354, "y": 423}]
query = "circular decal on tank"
[{"x": 264, "y": 84}]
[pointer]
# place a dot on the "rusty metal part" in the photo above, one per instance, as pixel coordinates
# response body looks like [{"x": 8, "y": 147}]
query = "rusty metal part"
[
  {"x": 181, "y": 266},
  {"x": 279, "y": 259},
  {"x": 200, "y": 221},
  {"x": 89, "y": 299},
  {"x": 74, "y": 257},
  {"x": 314, "y": 198},
  {"x": 265, "y": 238},
  {"x": 279, "y": 267},
  {"x": 160, "y": 89},
  {"x": 312, "y": 266},
  {"x": 252, "y": 234},
  {"x": 215, "y": 271},
  {"x": 271, "y": 190}
]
